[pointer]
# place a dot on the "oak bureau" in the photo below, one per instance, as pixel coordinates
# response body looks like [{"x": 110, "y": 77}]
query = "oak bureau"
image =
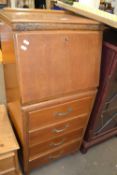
[{"x": 51, "y": 66}]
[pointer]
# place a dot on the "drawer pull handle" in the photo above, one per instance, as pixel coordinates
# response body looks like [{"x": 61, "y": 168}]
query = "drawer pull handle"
[
  {"x": 62, "y": 114},
  {"x": 57, "y": 156},
  {"x": 57, "y": 144},
  {"x": 61, "y": 130}
]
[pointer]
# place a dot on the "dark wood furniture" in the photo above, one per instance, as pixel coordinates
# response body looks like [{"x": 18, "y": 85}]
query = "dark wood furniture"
[
  {"x": 103, "y": 121},
  {"x": 51, "y": 80}
]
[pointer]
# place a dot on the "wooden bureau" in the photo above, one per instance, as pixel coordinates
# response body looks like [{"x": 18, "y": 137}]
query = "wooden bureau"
[
  {"x": 51, "y": 79},
  {"x": 8, "y": 146}
]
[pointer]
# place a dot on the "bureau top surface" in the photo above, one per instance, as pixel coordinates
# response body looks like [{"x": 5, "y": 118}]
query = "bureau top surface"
[
  {"x": 25, "y": 19},
  {"x": 7, "y": 138}
]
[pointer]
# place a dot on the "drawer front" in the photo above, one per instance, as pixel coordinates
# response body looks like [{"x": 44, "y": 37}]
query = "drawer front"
[
  {"x": 7, "y": 163},
  {"x": 56, "y": 130},
  {"x": 53, "y": 155},
  {"x": 59, "y": 65},
  {"x": 55, "y": 143},
  {"x": 42, "y": 117}
]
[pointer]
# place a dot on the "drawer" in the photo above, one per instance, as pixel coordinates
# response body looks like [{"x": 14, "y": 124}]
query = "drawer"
[
  {"x": 53, "y": 114},
  {"x": 53, "y": 131},
  {"x": 57, "y": 153},
  {"x": 55, "y": 143},
  {"x": 7, "y": 162}
]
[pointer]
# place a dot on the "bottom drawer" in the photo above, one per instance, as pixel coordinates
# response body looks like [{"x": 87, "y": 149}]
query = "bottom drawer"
[
  {"x": 55, "y": 143},
  {"x": 53, "y": 155},
  {"x": 7, "y": 162}
]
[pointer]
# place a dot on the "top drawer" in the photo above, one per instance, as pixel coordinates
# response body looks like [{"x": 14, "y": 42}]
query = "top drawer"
[
  {"x": 57, "y": 113},
  {"x": 56, "y": 63}
]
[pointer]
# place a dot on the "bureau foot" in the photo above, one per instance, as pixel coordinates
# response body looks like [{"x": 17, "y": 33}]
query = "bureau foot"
[{"x": 74, "y": 152}]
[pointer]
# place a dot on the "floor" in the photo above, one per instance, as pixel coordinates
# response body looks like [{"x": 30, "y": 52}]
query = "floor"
[{"x": 100, "y": 160}]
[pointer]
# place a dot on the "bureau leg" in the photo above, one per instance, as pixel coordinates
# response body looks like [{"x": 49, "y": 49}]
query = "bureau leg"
[{"x": 75, "y": 151}]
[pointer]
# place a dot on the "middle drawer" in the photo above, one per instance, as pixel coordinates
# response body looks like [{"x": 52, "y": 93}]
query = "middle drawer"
[
  {"x": 52, "y": 131},
  {"x": 55, "y": 143}
]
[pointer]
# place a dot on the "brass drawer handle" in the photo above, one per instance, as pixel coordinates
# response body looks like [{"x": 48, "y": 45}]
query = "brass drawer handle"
[
  {"x": 60, "y": 130},
  {"x": 57, "y": 156},
  {"x": 62, "y": 114},
  {"x": 57, "y": 144}
]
